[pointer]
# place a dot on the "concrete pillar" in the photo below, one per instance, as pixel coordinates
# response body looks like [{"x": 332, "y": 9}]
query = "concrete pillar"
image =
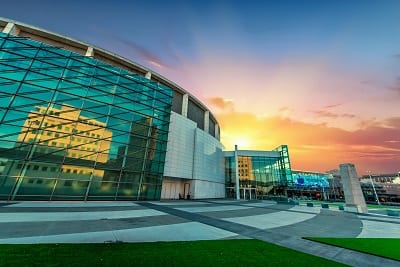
[
  {"x": 237, "y": 173},
  {"x": 148, "y": 75},
  {"x": 185, "y": 104},
  {"x": 89, "y": 52},
  {"x": 216, "y": 131},
  {"x": 206, "y": 121},
  {"x": 11, "y": 28},
  {"x": 353, "y": 195}
]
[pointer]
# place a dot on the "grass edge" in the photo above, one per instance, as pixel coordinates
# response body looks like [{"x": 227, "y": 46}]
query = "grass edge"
[{"x": 314, "y": 239}]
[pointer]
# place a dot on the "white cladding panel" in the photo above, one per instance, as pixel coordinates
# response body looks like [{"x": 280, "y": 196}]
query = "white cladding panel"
[
  {"x": 208, "y": 158},
  {"x": 192, "y": 153},
  {"x": 179, "y": 156},
  {"x": 207, "y": 189}
]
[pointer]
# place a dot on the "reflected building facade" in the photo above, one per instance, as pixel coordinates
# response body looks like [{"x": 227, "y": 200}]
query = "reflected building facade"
[{"x": 56, "y": 153}]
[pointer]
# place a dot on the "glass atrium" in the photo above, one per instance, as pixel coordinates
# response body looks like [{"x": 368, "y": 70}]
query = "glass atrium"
[
  {"x": 259, "y": 172},
  {"x": 76, "y": 128}
]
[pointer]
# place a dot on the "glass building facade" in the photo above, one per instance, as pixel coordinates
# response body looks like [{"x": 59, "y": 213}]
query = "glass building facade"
[
  {"x": 76, "y": 128},
  {"x": 314, "y": 185},
  {"x": 259, "y": 172},
  {"x": 303, "y": 179}
]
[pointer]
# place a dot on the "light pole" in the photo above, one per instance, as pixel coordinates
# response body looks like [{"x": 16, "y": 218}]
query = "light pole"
[{"x": 373, "y": 187}]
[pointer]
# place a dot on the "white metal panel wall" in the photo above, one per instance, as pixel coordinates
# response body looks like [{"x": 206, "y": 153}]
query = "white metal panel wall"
[
  {"x": 185, "y": 140},
  {"x": 207, "y": 189},
  {"x": 194, "y": 154},
  {"x": 179, "y": 156},
  {"x": 208, "y": 158}
]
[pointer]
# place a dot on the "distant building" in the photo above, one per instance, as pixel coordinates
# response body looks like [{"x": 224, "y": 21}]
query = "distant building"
[
  {"x": 387, "y": 187},
  {"x": 312, "y": 185}
]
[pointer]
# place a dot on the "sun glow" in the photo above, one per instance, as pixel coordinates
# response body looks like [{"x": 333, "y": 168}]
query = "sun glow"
[{"x": 242, "y": 142}]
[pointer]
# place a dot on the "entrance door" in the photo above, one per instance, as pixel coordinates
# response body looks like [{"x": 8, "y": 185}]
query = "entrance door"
[
  {"x": 186, "y": 190},
  {"x": 247, "y": 193}
]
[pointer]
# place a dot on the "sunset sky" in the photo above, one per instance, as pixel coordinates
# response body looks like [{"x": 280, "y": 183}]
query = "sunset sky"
[{"x": 321, "y": 76}]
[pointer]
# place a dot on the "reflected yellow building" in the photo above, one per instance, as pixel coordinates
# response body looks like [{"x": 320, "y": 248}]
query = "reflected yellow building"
[
  {"x": 69, "y": 142},
  {"x": 245, "y": 168}
]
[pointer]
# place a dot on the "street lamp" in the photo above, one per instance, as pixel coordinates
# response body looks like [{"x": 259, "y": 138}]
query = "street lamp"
[{"x": 373, "y": 187}]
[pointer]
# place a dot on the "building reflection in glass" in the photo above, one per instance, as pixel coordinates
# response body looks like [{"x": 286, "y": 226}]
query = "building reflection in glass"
[
  {"x": 59, "y": 149},
  {"x": 260, "y": 173},
  {"x": 64, "y": 154},
  {"x": 76, "y": 128}
]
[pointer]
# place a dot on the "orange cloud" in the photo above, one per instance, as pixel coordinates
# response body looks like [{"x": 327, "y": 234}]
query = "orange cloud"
[
  {"x": 315, "y": 146},
  {"x": 222, "y": 103}
]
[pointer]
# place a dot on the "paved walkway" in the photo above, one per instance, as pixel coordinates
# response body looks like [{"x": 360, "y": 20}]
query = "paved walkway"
[{"x": 285, "y": 225}]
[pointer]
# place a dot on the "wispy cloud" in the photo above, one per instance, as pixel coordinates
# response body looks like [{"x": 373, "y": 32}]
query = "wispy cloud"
[
  {"x": 147, "y": 55},
  {"x": 283, "y": 109},
  {"x": 396, "y": 87},
  {"x": 332, "y": 106},
  {"x": 328, "y": 114},
  {"x": 372, "y": 122},
  {"x": 136, "y": 50},
  {"x": 392, "y": 141}
]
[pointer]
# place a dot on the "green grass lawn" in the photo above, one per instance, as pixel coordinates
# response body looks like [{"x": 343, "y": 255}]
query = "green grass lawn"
[
  {"x": 236, "y": 252},
  {"x": 384, "y": 247}
]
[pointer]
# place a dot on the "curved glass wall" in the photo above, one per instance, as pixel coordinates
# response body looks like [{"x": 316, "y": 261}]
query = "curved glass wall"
[{"x": 75, "y": 128}]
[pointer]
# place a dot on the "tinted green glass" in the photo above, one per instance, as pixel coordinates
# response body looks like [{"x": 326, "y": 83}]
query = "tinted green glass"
[
  {"x": 258, "y": 175},
  {"x": 75, "y": 128}
]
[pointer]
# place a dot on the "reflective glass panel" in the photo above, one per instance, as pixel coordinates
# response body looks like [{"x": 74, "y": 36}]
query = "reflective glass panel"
[{"x": 75, "y": 128}]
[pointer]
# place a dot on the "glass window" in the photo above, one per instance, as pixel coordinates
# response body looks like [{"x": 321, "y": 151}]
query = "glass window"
[
  {"x": 108, "y": 117},
  {"x": 196, "y": 114}
]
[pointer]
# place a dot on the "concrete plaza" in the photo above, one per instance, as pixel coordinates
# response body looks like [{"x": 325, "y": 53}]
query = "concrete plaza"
[{"x": 281, "y": 224}]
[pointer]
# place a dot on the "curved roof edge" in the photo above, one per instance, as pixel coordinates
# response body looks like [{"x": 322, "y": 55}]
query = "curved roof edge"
[{"x": 65, "y": 42}]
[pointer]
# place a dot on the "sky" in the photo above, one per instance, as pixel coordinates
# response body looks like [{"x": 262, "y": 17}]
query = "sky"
[{"x": 322, "y": 76}]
